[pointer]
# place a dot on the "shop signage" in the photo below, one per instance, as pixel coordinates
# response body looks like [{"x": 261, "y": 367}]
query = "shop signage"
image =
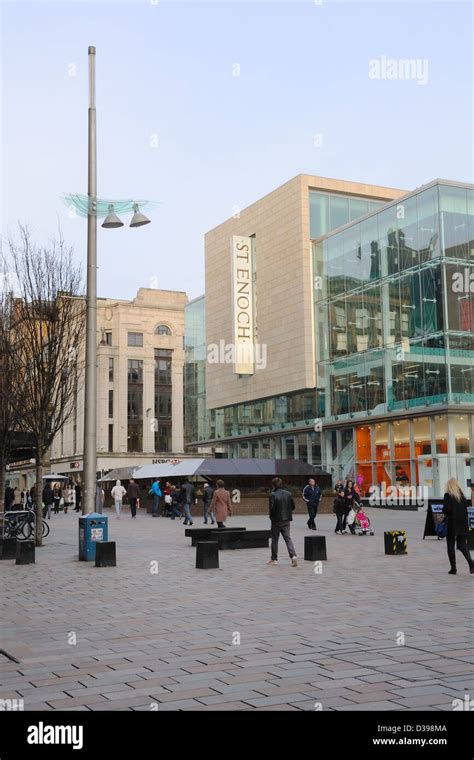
[
  {"x": 166, "y": 461},
  {"x": 242, "y": 305}
]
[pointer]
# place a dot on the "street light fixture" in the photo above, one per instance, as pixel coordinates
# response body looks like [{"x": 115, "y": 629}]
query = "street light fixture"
[
  {"x": 138, "y": 219},
  {"x": 111, "y": 220}
]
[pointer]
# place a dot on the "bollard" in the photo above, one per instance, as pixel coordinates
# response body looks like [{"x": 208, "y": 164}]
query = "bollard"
[
  {"x": 25, "y": 552},
  {"x": 395, "y": 542},
  {"x": 315, "y": 548},
  {"x": 105, "y": 554},
  {"x": 207, "y": 555},
  {"x": 7, "y": 548}
]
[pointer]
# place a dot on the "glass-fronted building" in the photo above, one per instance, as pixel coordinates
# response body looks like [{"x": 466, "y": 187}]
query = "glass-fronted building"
[
  {"x": 394, "y": 309},
  {"x": 393, "y": 324}
]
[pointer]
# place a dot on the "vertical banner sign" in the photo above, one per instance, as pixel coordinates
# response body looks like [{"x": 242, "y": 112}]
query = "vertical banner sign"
[{"x": 242, "y": 302}]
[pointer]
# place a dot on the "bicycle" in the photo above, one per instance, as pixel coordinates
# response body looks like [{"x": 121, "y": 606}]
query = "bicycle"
[{"x": 22, "y": 526}]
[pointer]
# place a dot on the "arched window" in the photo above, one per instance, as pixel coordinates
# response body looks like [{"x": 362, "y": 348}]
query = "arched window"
[{"x": 162, "y": 330}]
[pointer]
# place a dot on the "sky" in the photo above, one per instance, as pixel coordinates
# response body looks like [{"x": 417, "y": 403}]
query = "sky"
[{"x": 203, "y": 107}]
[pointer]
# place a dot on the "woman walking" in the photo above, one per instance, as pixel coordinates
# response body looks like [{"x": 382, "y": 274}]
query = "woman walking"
[
  {"x": 220, "y": 504},
  {"x": 352, "y": 499},
  {"x": 455, "y": 507},
  {"x": 340, "y": 510},
  {"x": 118, "y": 492}
]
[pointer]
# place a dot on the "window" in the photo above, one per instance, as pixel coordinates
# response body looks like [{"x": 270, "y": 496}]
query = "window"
[
  {"x": 111, "y": 438},
  {"x": 135, "y": 339},
  {"x": 111, "y": 403},
  {"x": 111, "y": 370},
  {"x": 163, "y": 399},
  {"x": 135, "y": 405},
  {"x": 108, "y": 338},
  {"x": 162, "y": 330}
]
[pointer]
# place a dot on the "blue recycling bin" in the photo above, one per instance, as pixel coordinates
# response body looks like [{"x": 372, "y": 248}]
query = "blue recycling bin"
[{"x": 92, "y": 528}]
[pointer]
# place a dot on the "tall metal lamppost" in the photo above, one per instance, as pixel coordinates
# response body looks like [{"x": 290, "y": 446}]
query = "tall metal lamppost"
[{"x": 93, "y": 207}]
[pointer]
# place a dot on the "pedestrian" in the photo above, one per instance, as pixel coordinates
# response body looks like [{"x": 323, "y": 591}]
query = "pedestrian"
[
  {"x": 155, "y": 491},
  {"x": 188, "y": 497},
  {"x": 174, "y": 504},
  {"x": 8, "y": 498},
  {"x": 207, "y": 494},
  {"x": 133, "y": 494},
  {"x": 455, "y": 507},
  {"x": 340, "y": 509},
  {"x": 47, "y": 499},
  {"x": 16, "y": 498},
  {"x": 312, "y": 497},
  {"x": 118, "y": 492},
  {"x": 99, "y": 498},
  {"x": 281, "y": 506},
  {"x": 56, "y": 498},
  {"x": 220, "y": 504},
  {"x": 78, "y": 491},
  {"x": 352, "y": 499},
  {"x": 339, "y": 486}
]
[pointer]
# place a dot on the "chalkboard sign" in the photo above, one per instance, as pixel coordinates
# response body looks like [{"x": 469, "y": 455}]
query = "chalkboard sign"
[{"x": 435, "y": 508}]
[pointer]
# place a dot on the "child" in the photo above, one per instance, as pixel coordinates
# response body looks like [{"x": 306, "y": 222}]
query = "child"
[{"x": 362, "y": 519}]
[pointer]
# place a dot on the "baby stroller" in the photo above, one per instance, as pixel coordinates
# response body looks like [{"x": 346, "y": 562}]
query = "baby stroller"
[{"x": 359, "y": 523}]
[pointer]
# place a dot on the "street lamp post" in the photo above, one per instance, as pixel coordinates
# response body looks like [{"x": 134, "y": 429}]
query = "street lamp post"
[
  {"x": 95, "y": 208},
  {"x": 90, "y": 399}
]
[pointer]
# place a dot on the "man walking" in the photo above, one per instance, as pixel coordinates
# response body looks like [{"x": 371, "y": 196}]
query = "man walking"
[
  {"x": 281, "y": 508},
  {"x": 188, "y": 496},
  {"x": 133, "y": 493},
  {"x": 78, "y": 492},
  {"x": 47, "y": 497},
  {"x": 312, "y": 497},
  {"x": 208, "y": 493}
]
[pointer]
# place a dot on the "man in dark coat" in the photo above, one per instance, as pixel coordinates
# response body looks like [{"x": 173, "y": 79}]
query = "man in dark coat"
[
  {"x": 188, "y": 497},
  {"x": 133, "y": 494},
  {"x": 281, "y": 506},
  {"x": 312, "y": 497},
  {"x": 47, "y": 499},
  {"x": 208, "y": 493},
  {"x": 9, "y": 495}
]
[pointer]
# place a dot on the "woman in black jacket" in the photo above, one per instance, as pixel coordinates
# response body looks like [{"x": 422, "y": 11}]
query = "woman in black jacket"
[
  {"x": 455, "y": 511},
  {"x": 352, "y": 500}
]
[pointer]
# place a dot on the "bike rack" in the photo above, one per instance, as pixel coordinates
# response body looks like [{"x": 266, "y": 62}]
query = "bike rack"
[{"x": 17, "y": 512}]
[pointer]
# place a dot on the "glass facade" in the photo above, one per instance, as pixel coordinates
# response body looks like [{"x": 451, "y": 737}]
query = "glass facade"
[
  {"x": 198, "y": 421},
  {"x": 395, "y": 312},
  {"x": 163, "y": 399},
  {"x": 327, "y": 211},
  {"x": 135, "y": 405}
]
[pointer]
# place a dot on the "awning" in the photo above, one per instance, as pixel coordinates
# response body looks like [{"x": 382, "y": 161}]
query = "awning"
[{"x": 212, "y": 468}]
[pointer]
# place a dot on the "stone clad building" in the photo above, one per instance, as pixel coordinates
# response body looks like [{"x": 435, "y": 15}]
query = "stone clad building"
[{"x": 140, "y": 359}]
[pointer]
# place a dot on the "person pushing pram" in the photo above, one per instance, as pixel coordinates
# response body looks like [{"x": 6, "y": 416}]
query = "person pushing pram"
[{"x": 359, "y": 522}]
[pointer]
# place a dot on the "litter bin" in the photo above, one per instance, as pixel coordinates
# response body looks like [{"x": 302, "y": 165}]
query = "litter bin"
[{"x": 92, "y": 528}]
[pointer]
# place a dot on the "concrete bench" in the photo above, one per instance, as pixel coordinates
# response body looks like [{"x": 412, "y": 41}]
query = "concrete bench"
[
  {"x": 207, "y": 534},
  {"x": 248, "y": 539}
]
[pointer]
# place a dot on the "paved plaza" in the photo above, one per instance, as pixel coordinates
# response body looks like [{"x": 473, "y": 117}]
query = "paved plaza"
[{"x": 369, "y": 632}]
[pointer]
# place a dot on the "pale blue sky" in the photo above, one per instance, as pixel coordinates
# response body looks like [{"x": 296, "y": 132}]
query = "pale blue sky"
[{"x": 166, "y": 69}]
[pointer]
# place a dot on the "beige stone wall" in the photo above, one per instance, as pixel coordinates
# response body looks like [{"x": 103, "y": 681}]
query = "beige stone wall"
[
  {"x": 150, "y": 308},
  {"x": 284, "y": 318}
]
